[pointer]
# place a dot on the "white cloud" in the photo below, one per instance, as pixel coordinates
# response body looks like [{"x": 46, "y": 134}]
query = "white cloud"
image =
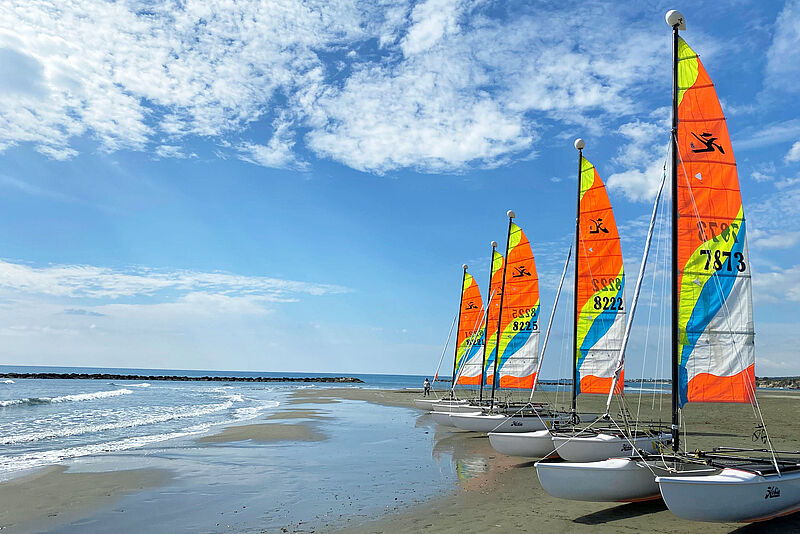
[
  {"x": 110, "y": 69},
  {"x": 783, "y": 56},
  {"x": 277, "y": 153},
  {"x": 779, "y": 285},
  {"x": 770, "y": 134},
  {"x": 173, "y": 151},
  {"x": 766, "y": 216},
  {"x": 431, "y": 20},
  {"x": 643, "y": 156},
  {"x": 794, "y": 153},
  {"x": 774, "y": 239},
  {"x": 450, "y": 84},
  {"x": 92, "y": 282}
]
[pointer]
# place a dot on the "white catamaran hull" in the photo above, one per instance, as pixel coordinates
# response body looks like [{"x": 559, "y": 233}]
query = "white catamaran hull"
[
  {"x": 612, "y": 480},
  {"x": 732, "y": 495},
  {"x": 500, "y": 422},
  {"x": 538, "y": 444},
  {"x": 597, "y": 447},
  {"x": 456, "y": 408},
  {"x": 444, "y": 418},
  {"x": 428, "y": 404}
]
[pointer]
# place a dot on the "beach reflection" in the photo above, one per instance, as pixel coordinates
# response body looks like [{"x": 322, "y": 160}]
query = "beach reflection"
[{"x": 469, "y": 453}]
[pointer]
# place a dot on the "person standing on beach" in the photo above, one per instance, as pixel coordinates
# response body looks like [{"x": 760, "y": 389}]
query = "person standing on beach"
[{"x": 426, "y": 388}]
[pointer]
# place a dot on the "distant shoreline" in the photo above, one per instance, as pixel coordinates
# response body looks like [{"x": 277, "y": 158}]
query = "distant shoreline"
[{"x": 179, "y": 378}]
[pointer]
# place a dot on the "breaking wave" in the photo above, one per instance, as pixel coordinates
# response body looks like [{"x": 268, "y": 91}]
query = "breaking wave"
[{"x": 32, "y": 401}]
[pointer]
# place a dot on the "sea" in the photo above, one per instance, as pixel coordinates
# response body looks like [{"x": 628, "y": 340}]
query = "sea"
[
  {"x": 372, "y": 459},
  {"x": 47, "y": 421}
]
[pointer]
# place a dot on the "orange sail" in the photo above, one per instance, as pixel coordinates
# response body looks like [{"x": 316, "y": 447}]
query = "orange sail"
[
  {"x": 601, "y": 283},
  {"x": 519, "y": 326},
  {"x": 476, "y": 364},
  {"x": 493, "y": 315},
  {"x": 715, "y": 316},
  {"x": 470, "y": 328}
]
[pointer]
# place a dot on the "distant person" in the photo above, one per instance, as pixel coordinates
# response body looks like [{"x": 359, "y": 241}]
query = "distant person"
[{"x": 426, "y": 388}]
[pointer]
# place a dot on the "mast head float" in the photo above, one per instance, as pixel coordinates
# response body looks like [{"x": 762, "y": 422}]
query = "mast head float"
[
  {"x": 465, "y": 266},
  {"x": 494, "y": 244},
  {"x": 675, "y": 18},
  {"x": 579, "y": 144},
  {"x": 511, "y": 214}
]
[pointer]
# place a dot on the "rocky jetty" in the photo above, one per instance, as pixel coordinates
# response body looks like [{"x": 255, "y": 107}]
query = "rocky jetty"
[
  {"x": 779, "y": 382},
  {"x": 173, "y": 378}
]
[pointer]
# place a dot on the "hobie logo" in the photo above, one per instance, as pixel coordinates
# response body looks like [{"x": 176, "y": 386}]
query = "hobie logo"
[
  {"x": 521, "y": 271},
  {"x": 516, "y": 423},
  {"x": 708, "y": 142},
  {"x": 598, "y": 226},
  {"x": 772, "y": 492},
  {"x": 471, "y": 306}
]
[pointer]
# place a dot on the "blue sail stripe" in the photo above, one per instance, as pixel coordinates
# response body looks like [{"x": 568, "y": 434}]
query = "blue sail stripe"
[{"x": 708, "y": 304}]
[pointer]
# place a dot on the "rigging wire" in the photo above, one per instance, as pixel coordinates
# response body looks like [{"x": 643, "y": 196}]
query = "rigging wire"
[{"x": 750, "y": 386}]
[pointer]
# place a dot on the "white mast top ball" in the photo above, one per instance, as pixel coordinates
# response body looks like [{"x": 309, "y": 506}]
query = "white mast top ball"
[
  {"x": 675, "y": 18},
  {"x": 465, "y": 266},
  {"x": 579, "y": 144},
  {"x": 494, "y": 244},
  {"x": 511, "y": 214}
]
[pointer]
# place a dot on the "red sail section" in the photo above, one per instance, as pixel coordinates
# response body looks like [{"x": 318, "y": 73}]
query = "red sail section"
[
  {"x": 519, "y": 327},
  {"x": 601, "y": 285},
  {"x": 470, "y": 324},
  {"x": 471, "y": 374},
  {"x": 494, "y": 314}
]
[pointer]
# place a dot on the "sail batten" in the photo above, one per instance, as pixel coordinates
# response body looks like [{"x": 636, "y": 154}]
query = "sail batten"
[
  {"x": 716, "y": 352},
  {"x": 601, "y": 309}
]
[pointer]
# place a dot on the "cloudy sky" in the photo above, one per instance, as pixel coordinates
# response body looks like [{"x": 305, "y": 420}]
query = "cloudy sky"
[{"x": 293, "y": 185}]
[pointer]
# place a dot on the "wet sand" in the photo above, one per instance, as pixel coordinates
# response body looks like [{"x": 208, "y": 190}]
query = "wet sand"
[
  {"x": 507, "y": 497},
  {"x": 51, "y": 496},
  {"x": 296, "y": 414},
  {"x": 493, "y": 492},
  {"x": 265, "y": 432}
]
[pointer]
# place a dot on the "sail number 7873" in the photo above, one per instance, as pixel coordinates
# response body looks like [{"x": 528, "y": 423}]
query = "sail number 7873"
[{"x": 720, "y": 259}]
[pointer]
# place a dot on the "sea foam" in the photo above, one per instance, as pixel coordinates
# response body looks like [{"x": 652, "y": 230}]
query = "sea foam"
[{"x": 32, "y": 401}]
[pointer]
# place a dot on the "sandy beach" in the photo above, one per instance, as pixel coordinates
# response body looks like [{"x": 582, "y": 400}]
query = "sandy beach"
[
  {"x": 490, "y": 492},
  {"x": 50, "y": 496},
  {"x": 507, "y": 497},
  {"x": 265, "y": 432}
]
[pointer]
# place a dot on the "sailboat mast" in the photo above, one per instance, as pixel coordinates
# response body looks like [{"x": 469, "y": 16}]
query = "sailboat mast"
[
  {"x": 500, "y": 314},
  {"x": 458, "y": 328},
  {"x": 579, "y": 144},
  {"x": 486, "y": 321},
  {"x": 679, "y": 23}
]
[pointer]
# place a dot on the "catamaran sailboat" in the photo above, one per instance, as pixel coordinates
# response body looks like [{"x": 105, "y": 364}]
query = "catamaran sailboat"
[
  {"x": 713, "y": 352},
  {"x": 599, "y": 312}
]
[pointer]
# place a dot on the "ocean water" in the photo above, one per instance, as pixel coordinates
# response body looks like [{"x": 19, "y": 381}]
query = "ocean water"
[
  {"x": 47, "y": 421},
  {"x": 371, "y": 459}
]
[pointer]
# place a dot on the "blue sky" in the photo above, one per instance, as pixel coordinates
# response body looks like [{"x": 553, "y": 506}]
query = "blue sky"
[{"x": 294, "y": 186}]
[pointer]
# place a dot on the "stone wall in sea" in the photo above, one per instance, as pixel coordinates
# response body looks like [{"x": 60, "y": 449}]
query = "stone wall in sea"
[{"x": 174, "y": 378}]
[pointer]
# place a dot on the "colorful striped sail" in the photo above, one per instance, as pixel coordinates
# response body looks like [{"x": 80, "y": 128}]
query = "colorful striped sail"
[
  {"x": 493, "y": 315},
  {"x": 470, "y": 333},
  {"x": 715, "y": 315},
  {"x": 519, "y": 326},
  {"x": 601, "y": 288}
]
